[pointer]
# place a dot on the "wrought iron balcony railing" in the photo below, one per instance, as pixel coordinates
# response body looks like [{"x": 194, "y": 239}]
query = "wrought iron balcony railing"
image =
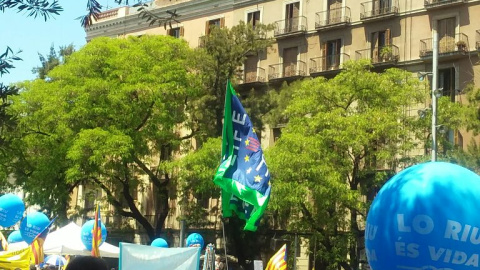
[
  {"x": 255, "y": 76},
  {"x": 379, "y": 54},
  {"x": 378, "y": 9},
  {"x": 332, "y": 17},
  {"x": 290, "y": 26},
  {"x": 328, "y": 62},
  {"x": 279, "y": 71},
  {"x": 431, "y": 4},
  {"x": 446, "y": 44}
]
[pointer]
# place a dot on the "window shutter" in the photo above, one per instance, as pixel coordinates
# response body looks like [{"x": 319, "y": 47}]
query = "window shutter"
[
  {"x": 207, "y": 28},
  {"x": 325, "y": 53},
  {"x": 222, "y": 22},
  {"x": 182, "y": 31},
  {"x": 388, "y": 37}
]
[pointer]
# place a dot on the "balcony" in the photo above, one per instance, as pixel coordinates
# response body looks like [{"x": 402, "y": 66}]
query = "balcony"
[
  {"x": 290, "y": 27},
  {"x": 287, "y": 71},
  {"x": 378, "y": 10},
  {"x": 332, "y": 19},
  {"x": 450, "y": 46},
  {"x": 382, "y": 55},
  {"x": 254, "y": 77},
  {"x": 327, "y": 64},
  {"x": 477, "y": 40},
  {"x": 437, "y": 4}
]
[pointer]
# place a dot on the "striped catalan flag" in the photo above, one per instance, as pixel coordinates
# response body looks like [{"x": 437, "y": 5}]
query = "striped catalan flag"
[
  {"x": 96, "y": 233},
  {"x": 4, "y": 242},
  {"x": 37, "y": 249},
  {"x": 37, "y": 244},
  {"x": 279, "y": 260}
]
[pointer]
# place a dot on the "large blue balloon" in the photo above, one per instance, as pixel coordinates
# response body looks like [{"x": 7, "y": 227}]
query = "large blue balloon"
[
  {"x": 426, "y": 217},
  {"x": 14, "y": 237},
  {"x": 195, "y": 240},
  {"x": 159, "y": 242},
  {"x": 11, "y": 210},
  {"x": 87, "y": 233},
  {"x": 32, "y": 225}
]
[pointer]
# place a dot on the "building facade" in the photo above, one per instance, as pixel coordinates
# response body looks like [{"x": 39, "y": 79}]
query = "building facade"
[{"x": 315, "y": 37}]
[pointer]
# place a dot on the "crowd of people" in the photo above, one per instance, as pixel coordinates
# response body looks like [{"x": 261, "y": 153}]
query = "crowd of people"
[{"x": 78, "y": 263}]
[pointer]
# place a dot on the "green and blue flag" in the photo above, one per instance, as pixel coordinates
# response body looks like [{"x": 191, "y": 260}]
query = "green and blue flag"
[{"x": 243, "y": 174}]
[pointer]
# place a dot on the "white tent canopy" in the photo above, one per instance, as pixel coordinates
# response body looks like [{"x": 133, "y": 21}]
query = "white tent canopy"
[{"x": 67, "y": 240}]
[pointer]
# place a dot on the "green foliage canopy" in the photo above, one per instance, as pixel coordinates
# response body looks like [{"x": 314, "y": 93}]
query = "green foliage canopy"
[{"x": 108, "y": 118}]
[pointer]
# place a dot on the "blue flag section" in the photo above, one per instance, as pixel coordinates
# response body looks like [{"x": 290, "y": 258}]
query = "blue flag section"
[{"x": 243, "y": 174}]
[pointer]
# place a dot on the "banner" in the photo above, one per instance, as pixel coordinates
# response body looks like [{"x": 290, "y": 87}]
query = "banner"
[
  {"x": 134, "y": 257},
  {"x": 14, "y": 260}
]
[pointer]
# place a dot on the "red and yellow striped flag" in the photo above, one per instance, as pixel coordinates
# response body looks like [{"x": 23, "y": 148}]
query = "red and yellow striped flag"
[
  {"x": 279, "y": 260},
  {"x": 4, "y": 242},
  {"x": 96, "y": 233},
  {"x": 37, "y": 244},
  {"x": 37, "y": 249}
]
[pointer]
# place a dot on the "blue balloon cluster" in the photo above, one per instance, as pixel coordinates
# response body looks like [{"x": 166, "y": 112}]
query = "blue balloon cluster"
[
  {"x": 87, "y": 233},
  {"x": 195, "y": 240},
  {"x": 159, "y": 242},
  {"x": 14, "y": 237},
  {"x": 426, "y": 217},
  {"x": 11, "y": 210},
  {"x": 32, "y": 225}
]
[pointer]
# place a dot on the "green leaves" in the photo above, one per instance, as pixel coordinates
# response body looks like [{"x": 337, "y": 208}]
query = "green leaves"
[
  {"x": 341, "y": 139},
  {"x": 108, "y": 117}
]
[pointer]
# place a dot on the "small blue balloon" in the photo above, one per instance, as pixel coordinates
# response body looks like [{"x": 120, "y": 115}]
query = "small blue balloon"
[
  {"x": 87, "y": 233},
  {"x": 14, "y": 237},
  {"x": 195, "y": 240},
  {"x": 11, "y": 209},
  {"x": 159, "y": 242},
  {"x": 425, "y": 217},
  {"x": 32, "y": 225}
]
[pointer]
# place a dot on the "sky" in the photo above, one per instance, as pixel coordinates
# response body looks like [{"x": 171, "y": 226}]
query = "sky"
[{"x": 34, "y": 35}]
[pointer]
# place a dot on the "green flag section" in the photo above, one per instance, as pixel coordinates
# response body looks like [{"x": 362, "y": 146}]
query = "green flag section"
[{"x": 243, "y": 174}]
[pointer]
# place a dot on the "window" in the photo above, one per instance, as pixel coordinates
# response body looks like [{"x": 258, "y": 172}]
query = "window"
[
  {"x": 331, "y": 53},
  {"x": 290, "y": 61},
  {"x": 253, "y": 18},
  {"x": 380, "y": 41},
  {"x": 446, "y": 35},
  {"x": 458, "y": 139},
  {"x": 334, "y": 11},
  {"x": 251, "y": 69},
  {"x": 175, "y": 32},
  {"x": 292, "y": 11},
  {"x": 277, "y": 133},
  {"x": 381, "y": 7},
  {"x": 446, "y": 81},
  {"x": 220, "y": 22}
]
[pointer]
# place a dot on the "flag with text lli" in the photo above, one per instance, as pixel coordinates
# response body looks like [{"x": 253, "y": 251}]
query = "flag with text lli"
[{"x": 243, "y": 174}]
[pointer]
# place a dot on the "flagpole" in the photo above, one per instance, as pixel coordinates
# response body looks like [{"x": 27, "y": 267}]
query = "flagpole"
[
  {"x": 222, "y": 219},
  {"x": 225, "y": 244}
]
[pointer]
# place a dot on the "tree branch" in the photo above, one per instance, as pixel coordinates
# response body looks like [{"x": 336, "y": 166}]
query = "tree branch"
[
  {"x": 112, "y": 199},
  {"x": 150, "y": 174},
  {"x": 147, "y": 116}
]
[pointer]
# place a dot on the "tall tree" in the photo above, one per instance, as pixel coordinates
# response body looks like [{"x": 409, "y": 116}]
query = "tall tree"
[
  {"x": 220, "y": 57},
  {"x": 52, "y": 60},
  {"x": 107, "y": 118},
  {"x": 343, "y": 138}
]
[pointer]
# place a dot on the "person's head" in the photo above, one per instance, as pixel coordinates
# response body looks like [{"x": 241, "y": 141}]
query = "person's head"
[{"x": 87, "y": 263}]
